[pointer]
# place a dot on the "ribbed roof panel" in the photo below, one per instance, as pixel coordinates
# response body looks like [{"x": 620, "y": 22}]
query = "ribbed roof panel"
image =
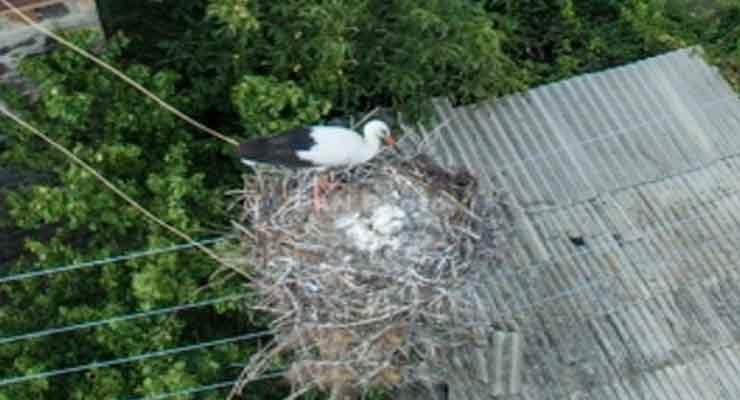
[{"x": 622, "y": 271}]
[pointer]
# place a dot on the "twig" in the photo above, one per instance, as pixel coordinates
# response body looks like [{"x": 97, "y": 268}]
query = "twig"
[
  {"x": 323, "y": 287},
  {"x": 366, "y": 117}
]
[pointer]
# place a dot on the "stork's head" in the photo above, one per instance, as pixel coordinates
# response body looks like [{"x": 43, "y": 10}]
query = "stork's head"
[{"x": 376, "y": 131}]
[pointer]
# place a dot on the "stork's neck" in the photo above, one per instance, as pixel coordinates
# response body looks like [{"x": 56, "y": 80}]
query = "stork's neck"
[{"x": 373, "y": 143}]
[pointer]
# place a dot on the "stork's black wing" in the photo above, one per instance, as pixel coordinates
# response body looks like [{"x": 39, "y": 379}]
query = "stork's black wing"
[{"x": 280, "y": 149}]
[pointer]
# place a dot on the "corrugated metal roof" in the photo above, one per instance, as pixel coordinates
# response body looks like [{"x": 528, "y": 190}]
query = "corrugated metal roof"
[{"x": 622, "y": 275}]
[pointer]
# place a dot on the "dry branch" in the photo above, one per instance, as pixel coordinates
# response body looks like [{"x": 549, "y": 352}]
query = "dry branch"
[{"x": 380, "y": 285}]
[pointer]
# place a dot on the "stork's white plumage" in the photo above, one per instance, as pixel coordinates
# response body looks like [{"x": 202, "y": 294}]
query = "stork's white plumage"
[{"x": 318, "y": 147}]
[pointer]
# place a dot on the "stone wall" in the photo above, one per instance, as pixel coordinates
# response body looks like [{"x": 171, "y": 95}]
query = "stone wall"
[{"x": 18, "y": 40}]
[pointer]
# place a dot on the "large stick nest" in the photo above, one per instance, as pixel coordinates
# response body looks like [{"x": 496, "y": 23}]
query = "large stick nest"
[{"x": 379, "y": 285}]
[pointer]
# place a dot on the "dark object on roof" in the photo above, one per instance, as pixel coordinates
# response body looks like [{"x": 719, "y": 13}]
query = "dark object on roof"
[
  {"x": 577, "y": 240},
  {"x": 642, "y": 161}
]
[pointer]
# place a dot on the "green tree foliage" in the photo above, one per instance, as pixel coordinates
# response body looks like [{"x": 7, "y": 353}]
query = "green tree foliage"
[
  {"x": 554, "y": 39},
  {"x": 713, "y": 24},
  {"x": 267, "y": 105},
  {"x": 358, "y": 54},
  {"x": 353, "y": 54},
  {"x": 251, "y": 67},
  {"x": 157, "y": 161}
]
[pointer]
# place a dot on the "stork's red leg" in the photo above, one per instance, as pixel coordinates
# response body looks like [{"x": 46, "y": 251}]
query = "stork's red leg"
[
  {"x": 322, "y": 184},
  {"x": 316, "y": 196}
]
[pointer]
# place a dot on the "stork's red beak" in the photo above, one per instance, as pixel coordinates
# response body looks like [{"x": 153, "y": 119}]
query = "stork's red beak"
[{"x": 388, "y": 140}]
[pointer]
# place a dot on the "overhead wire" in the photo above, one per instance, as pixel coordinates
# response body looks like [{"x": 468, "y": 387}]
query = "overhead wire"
[
  {"x": 515, "y": 311},
  {"x": 35, "y": 25},
  {"x": 120, "y": 318},
  {"x": 205, "y": 388},
  {"x": 186, "y": 392},
  {"x": 130, "y": 359},
  {"x": 119, "y": 192},
  {"x": 532, "y": 158},
  {"x": 109, "y": 260},
  {"x": 191, "y": 242},
  {"x": 565, "y": 292}
]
